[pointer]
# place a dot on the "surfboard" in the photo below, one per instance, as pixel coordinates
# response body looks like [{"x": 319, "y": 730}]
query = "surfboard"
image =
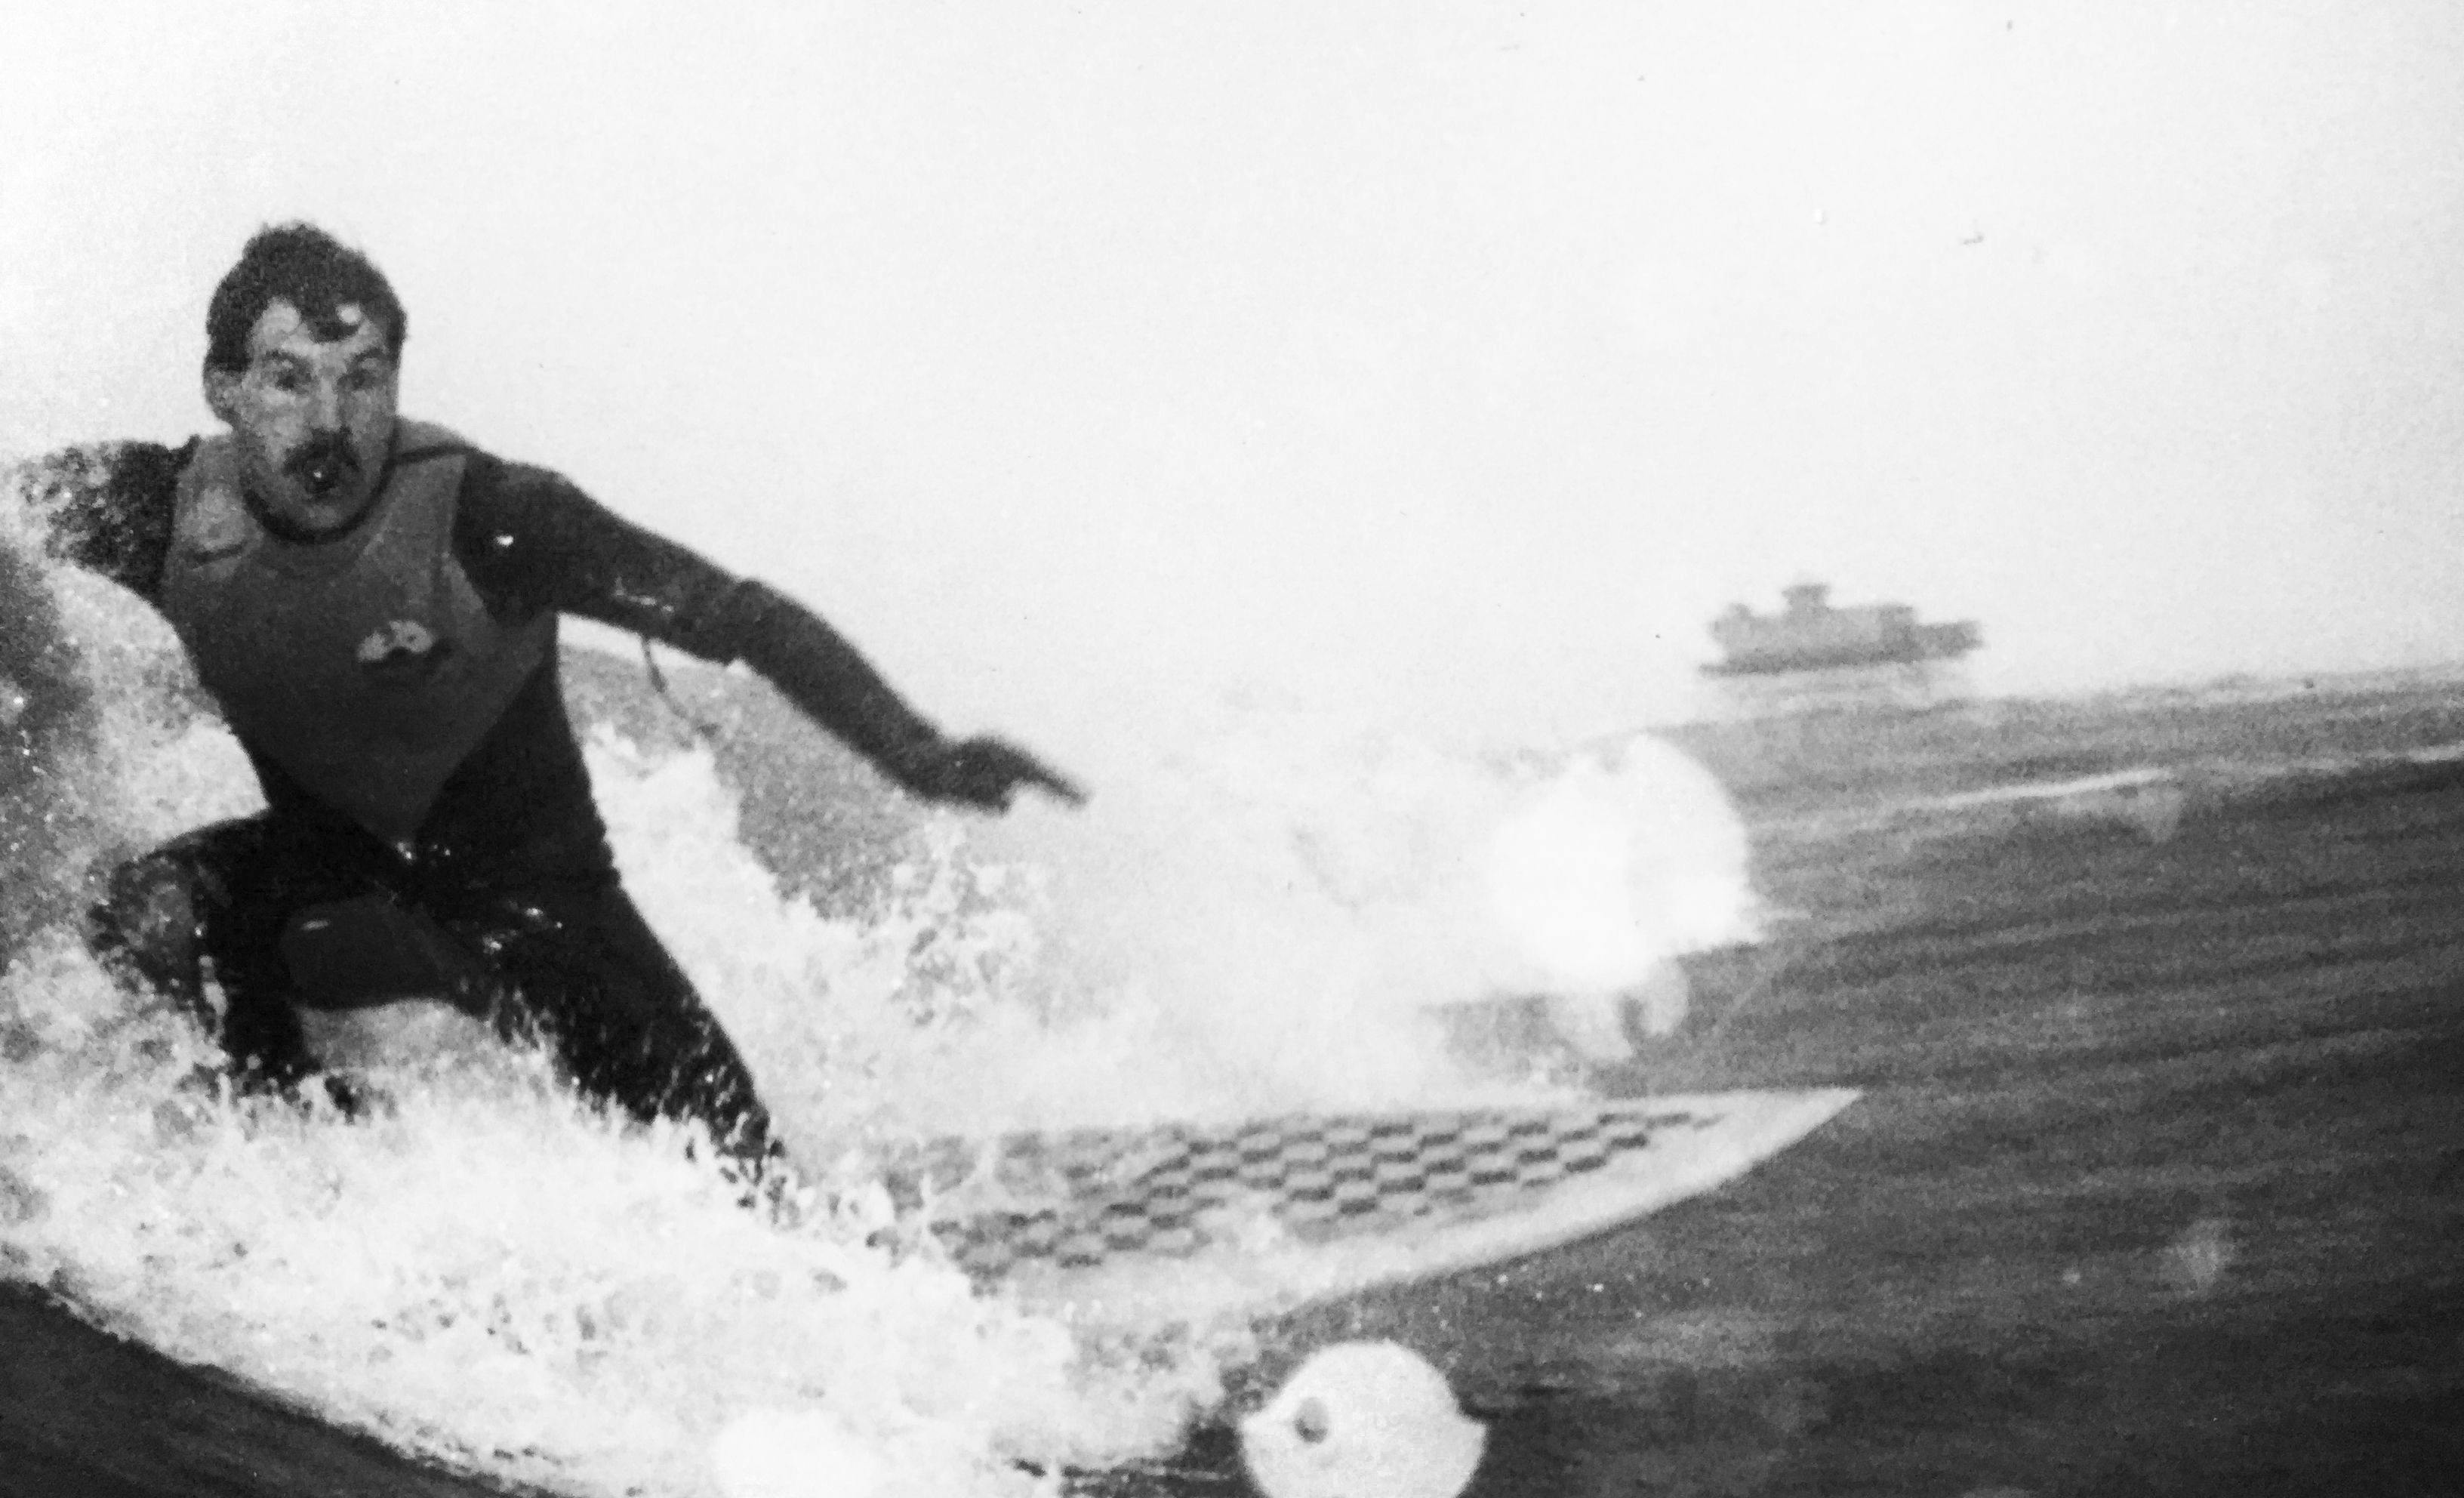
[{"x": 1279, "y": 1213}]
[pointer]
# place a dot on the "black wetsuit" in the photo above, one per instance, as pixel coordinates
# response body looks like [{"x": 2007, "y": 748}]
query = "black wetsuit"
[{"x": 511, "y": 857}]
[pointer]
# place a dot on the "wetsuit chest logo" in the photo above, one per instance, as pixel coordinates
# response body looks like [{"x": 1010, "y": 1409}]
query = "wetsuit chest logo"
[{"x": 401, "y": 647}]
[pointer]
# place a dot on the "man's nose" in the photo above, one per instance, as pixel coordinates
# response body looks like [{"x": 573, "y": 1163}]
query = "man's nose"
[{"x": 325, "y": 407}]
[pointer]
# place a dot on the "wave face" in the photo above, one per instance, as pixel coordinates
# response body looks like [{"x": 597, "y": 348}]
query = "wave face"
[{"x": 1267, "y": 915}]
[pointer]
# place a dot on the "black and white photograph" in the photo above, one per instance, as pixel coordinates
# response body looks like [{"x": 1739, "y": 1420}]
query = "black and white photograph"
[{"x": 1181, "y": 749}]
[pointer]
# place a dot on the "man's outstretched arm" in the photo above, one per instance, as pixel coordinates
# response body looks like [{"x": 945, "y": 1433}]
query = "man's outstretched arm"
[
  {"x": 527, "y": 535},
  {"x": 822, "y": 673},
  {"x": 107, "y": 508}
]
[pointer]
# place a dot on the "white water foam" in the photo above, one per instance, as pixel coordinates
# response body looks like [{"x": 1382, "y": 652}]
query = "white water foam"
[{"x": 1256, "y": 920}]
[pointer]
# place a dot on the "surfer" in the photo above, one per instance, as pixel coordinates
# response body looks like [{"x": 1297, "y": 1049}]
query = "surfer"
[{"x": 372, "y": 604}]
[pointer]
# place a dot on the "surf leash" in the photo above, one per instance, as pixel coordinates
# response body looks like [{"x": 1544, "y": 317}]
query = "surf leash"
[{"x": 703, "y": 729}]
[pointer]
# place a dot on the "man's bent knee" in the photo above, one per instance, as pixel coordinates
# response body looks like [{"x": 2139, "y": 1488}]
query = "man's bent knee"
[
  {"x": 148, "y": 928},
  {"x": 145, "y": 927}
]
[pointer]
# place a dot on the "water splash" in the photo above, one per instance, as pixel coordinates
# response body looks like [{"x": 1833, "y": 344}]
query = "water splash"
[
  {"x": 1263, "y": 917},
  {"x": 1362, "y": 1419},
  {"x": 484, "y": 1270}
]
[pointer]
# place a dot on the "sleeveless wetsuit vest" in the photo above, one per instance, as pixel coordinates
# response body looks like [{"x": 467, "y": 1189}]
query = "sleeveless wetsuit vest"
[{"x": 366, "y": 667}]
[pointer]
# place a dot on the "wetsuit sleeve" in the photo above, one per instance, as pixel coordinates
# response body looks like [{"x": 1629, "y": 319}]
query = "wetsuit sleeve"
[
  {"x": 108, "y": 509},
  {"x": 530, "y": 540}
]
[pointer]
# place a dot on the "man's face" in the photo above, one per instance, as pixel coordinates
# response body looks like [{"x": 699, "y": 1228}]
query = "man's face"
[{"x": 314, "y": 416}]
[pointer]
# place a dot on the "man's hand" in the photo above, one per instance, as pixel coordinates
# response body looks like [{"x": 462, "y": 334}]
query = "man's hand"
[{"x": 983, "y": 773}]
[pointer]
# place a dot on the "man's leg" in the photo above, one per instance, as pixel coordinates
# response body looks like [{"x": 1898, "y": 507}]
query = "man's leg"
[
  {"x": 623, "y": 1015},
  {"x": 222, "y": 894},
  {"x": 149, "y": 929}
]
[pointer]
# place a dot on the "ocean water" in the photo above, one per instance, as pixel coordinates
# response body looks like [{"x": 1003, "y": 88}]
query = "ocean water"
[{"x": 1271, "y": 912}]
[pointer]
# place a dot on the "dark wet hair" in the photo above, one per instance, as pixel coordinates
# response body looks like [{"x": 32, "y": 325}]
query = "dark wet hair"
[{"x": 312, "y": 271}]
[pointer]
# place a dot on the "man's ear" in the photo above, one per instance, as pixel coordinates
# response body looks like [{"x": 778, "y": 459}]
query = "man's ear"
[{"x": 222, "y": 395}]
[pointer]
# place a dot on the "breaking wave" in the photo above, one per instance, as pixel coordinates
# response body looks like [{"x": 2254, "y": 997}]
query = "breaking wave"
[{"x": 1270, "y": 914}]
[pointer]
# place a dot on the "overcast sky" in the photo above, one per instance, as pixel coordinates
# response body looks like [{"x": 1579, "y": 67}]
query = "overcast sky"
[{"x": 1455, "y": 363}]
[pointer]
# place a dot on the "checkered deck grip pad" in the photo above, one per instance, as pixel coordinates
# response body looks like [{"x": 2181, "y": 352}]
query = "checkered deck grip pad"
[{"x": 1172, "y": 1193}]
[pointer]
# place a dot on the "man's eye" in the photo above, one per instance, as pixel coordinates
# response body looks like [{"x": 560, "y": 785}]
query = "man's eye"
[{"x": 290, "y": 381}]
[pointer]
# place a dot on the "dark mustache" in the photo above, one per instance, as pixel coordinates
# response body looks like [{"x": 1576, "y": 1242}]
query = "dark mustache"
[{"x": 322, "y": 460}]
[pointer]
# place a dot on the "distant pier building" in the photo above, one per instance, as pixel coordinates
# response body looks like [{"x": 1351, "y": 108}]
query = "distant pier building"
[
  {"x": 1813, "y": 659},
  {"x": 1810, "y": 634}
]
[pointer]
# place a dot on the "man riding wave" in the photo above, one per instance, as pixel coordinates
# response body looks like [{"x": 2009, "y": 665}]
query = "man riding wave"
[{"x": 372, "y": 604}]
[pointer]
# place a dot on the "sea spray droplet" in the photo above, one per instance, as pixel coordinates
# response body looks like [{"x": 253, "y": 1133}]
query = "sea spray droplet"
[
  {"x": 1362, "y": 1419},
  {"x": 2198, "y": 1259}
]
